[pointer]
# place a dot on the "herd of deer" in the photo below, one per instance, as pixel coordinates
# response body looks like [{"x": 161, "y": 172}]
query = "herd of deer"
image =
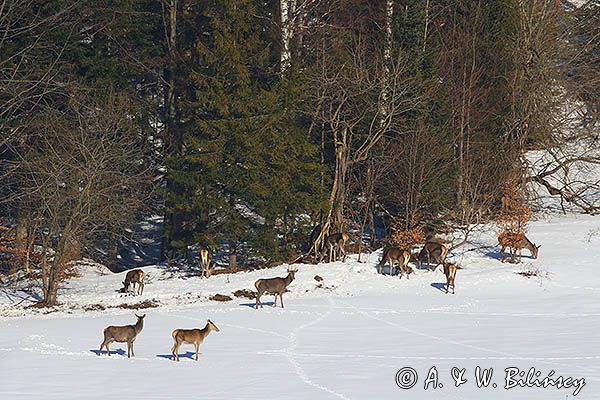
[{"x": 433, "y": 253}]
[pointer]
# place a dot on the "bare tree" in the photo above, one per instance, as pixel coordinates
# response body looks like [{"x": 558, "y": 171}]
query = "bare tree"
[
  {"x": 359, "y": 97},
  {"x": 82, "y": 172}
]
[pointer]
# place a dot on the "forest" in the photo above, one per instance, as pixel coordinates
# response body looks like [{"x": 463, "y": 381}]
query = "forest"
[{"x": 258, "y": 128}]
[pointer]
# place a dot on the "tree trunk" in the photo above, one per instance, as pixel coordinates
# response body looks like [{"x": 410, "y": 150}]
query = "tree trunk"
[
  {"x": 21, "y": 245},
  {"x": 287, "y": 9},
  {"x": 232, "y": 255},
  {"x": 173, "y": 139},
  {"x": 45, "y": 265},
  {"x": 387, "y": 57},
  {"x": 335, "y": 218}
]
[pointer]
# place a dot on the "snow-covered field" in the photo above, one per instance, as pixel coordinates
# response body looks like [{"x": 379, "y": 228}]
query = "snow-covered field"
[{"x": 346, "y": 339}]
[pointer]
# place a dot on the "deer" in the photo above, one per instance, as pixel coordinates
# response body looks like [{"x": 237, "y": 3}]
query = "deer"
[
  {"x": 450, "y": 272},
  {"x": 275, "y": 286},
  {"x": 336, "y": 243},
  {"x": 121, "y": 334},
  {"x": 191, "y": 336},
  {"x": 133, "y": 277},
  {"x": 432, "y": 250},
  {"x": 505, "y": 240},
  {"x": 395, "y": 254},
  {"x": 206, "y": 264}
]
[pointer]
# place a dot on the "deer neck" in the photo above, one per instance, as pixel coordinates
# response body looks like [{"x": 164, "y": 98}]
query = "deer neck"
[
  {"x": 528, "y": 244},
  {"x": 288, "y": 279},
  {"x": 139, "y": 326},
  {"x": 206, "y": 330}
]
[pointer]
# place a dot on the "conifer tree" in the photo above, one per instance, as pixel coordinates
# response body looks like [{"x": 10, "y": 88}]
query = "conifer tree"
[{"x": 248, "y": 167}]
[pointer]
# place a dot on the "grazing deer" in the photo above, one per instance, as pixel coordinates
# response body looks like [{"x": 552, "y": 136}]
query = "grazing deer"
[
  {"x": 275, "y": 286},
  {"x": 206, "y": 264},
  {"x": 395, "y": 254},
  {"x": 432, "y": 251},
  {"x": 515, "y": 246},
  {"x": 337, "y": 243},
  {"x": 133, "y": 277},
  {"x": 121, "y": 334},
  {"x": 191, "y": 336},
  {"x": 450, "y": 272}
]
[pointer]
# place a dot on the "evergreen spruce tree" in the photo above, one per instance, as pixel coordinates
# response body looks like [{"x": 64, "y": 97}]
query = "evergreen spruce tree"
[{"x": 248, "y": 169}]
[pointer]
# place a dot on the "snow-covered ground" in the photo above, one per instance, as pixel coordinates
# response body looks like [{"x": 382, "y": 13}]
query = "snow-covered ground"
[{"x": 346, "y": 339}]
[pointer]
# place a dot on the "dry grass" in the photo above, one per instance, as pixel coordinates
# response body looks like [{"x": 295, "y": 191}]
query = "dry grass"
[{"x": 220, "y": 297}]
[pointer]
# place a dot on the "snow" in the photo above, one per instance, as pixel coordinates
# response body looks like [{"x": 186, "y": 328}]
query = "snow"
[{"x": 344, "y": 340}]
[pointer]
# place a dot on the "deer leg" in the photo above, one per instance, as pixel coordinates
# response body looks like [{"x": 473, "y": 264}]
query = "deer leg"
[
  {"x": 197, "y": 349},
  {"x": 132, "y": 353},
  {"x": 343, "y": 249},
  {"x": 281, "y": 298},
  {"x": 275, "y": 301},
  {"x": 100, "y": 350},
  {"x": 502, "y": 254},
  {"x": 107, "y": 348}
]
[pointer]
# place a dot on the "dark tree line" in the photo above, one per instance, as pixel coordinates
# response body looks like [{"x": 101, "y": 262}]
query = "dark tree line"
[{"x": 251, "y": 124}]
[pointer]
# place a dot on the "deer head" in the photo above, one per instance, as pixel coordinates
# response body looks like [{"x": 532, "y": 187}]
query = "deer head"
[
  {"x": 535, "y": 250},
  {"x": 292, "y": 273},
  {"x": 212, "y": 326}
]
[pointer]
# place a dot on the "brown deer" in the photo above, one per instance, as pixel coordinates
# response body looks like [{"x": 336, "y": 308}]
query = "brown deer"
[
  {"x": 134, "y": 276},
  {"x": 206, "y": 264},
  {"x": 515, "y": 246},
  {"x": 450, "y": 272},
  {"x": 336, "y": 243},
  {"x": 395, "y": 254},
  {"x": 275, "y": 286},
  {"x": 191, "y": 336},
  {"x": 432, "y": 250},
  {"x": 122, "y": 334}
]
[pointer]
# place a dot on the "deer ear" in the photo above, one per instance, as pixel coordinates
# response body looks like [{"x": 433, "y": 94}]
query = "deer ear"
[{"x": 538, "y": 246}]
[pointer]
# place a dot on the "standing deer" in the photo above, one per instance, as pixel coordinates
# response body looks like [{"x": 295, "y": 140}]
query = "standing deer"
[
  {"x": 275, "y": 286},
  {"x": 206, "y": 264},
  {"x": 432, "y": 251},
  {"x": 450, "y": 272},
  {"x": 395, "y": 254},
  {"x": 133, "y": 277},
  {"x": 121, "y": 334},
  {"x": 515, "y": 246},
  {"x": 191, "y": 336},
  {"x": 336, "y": 244}
]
